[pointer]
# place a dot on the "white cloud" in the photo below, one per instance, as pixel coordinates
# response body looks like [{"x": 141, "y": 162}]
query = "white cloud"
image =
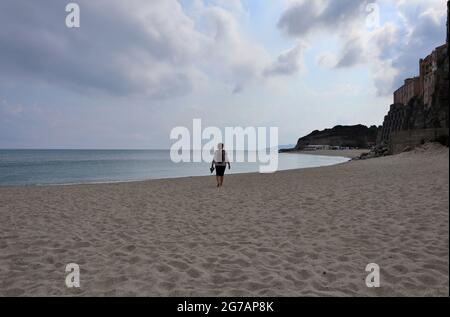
[
  {"x": 303, "y": 18},
  {"x": 230, "y": 55},
  {"x": 143, "y": 47},
  {"x": 396, "y": 48},
  {"x": 391, "y": 52},
  {"x": 352, "y": 53},
  {"x": 288, "y": 63},
  {"x": 327, "y": 60}
]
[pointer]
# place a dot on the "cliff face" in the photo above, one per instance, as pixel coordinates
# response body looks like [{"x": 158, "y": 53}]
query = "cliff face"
[
  {"x": 437, "y": 116},
  {"x": 345, "y": 136},
  {"x": 415, "y": 116}
]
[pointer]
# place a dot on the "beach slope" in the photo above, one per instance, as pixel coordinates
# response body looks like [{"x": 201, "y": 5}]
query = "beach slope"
[{"x": 293, "y": 233}]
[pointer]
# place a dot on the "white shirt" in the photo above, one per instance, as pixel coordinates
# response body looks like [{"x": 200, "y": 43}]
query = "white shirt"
[{"x": 218, "y": 158}]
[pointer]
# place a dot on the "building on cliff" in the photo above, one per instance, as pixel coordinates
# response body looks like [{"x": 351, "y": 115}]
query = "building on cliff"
[
  {"x": 421, "y": 106},
  {"x": 424, "y": 85},
  {"x": 409, "y": 90},
  {"x": 428, "y": 74}
]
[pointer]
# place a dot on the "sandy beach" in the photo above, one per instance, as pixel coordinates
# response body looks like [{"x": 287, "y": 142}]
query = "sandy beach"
[{"x": 305, "y": 232}]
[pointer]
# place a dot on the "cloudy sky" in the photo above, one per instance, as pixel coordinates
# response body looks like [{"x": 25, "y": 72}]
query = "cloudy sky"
[{"x": 136, "y": 69}]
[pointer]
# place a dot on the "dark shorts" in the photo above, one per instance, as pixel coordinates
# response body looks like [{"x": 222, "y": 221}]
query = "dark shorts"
[{"x": 220, "y": 170}]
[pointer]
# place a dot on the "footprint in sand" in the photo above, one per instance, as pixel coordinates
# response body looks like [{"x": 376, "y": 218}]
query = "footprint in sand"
[
  {"x": 129, "y": 248},
  {"x": 304, "y": 274},
  {"x": 179, "y": 265},
  {"x": 162, "y": 268},
  {"x": 14, "y": 292},
  {"x": 194, "y": 273}
]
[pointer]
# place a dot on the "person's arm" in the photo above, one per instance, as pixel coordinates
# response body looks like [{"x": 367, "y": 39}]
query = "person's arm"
[
  {"x": 212, "y": 164},
  {"x": 227, "y": 160}
]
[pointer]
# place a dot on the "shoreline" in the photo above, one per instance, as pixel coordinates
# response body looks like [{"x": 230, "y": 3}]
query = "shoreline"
[
  {"x": 304, "y": 232},
  {"x": 350, "y": 154},
  {"x": 180, "y": 177}
]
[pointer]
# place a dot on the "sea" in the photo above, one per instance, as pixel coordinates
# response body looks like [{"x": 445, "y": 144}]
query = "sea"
[{"x": 65, "y": 167}]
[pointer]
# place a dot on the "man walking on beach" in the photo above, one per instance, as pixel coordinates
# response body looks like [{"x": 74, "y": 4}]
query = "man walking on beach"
[{"x": 220, "y": 162}]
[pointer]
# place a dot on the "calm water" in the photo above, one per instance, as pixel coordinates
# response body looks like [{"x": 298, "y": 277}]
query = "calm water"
[{"x": 39, "y": 167}]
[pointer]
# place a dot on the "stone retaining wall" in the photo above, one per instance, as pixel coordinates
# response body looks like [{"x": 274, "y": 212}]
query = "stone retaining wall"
[{"x": 401, "y": 140}]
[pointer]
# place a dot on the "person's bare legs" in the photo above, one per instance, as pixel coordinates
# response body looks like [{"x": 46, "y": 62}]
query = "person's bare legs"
[
  {"x": 218, "y": 181},
  {"x": 221, "y": 181}
]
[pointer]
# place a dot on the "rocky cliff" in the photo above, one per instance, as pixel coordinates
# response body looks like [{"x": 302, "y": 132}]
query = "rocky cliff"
[
  {"x": 416, "y": 118},
  {"x": 345, "y": 136}
]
